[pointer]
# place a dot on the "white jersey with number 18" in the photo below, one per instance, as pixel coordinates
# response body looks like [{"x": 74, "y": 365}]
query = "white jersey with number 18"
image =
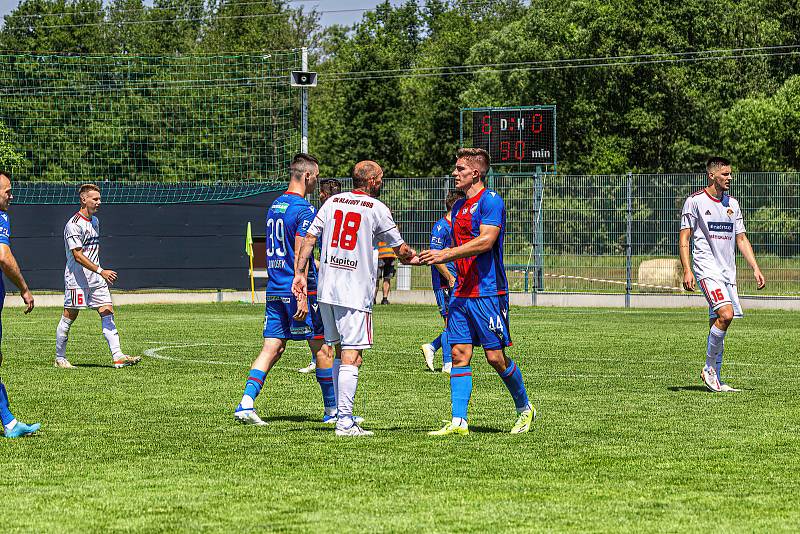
[{"x": 352, "y": 224}]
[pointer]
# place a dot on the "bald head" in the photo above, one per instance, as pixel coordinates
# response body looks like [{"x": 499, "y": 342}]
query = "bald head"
[
  {"x": 364, "y": 171},
  {"x": 5, "y": 190}
]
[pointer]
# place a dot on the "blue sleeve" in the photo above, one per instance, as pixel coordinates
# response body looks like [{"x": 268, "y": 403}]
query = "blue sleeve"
[
  {"x": 5, "y": 230},
  {"x": 440, "y": 236},
  {"x": 305, "y": 216},
  {"x": 492, "y": 208}
]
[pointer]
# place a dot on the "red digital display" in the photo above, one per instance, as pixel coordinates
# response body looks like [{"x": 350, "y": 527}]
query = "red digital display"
[{"x": 516, "y": 136}]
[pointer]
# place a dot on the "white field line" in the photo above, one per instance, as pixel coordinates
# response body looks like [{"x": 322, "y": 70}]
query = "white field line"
[{"x": 155, "y": 353}]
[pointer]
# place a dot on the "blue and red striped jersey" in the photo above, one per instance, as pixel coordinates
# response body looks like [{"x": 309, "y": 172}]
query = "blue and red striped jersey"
[
  {"x": 483, "y": 275},
  {"x": 289, "y": 216}
]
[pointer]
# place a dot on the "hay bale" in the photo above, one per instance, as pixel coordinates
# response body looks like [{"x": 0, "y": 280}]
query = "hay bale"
[{"x": 661, "y": 272}]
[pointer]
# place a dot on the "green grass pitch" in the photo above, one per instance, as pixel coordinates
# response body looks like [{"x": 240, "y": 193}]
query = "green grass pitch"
[{"x": 627, "y": 439}]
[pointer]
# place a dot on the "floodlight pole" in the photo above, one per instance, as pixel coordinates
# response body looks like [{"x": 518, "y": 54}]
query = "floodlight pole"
[{"x": 304, "y": 112}]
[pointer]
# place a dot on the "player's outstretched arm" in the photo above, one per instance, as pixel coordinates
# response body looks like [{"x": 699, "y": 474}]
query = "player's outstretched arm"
[
  {"x": 406, "y": 254},
  {"x": 11, "y": 269},
  {"x": 107, "y": 274},
  {"x": 484, "y": 242},
  {"x": 747, "y": 251},
  {"x": 689, "y": 283}
]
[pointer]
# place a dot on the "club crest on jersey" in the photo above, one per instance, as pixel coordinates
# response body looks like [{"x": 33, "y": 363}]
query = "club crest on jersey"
[
  {"x": 473, "y": 208},
  {"x": 730, "y": 212}
]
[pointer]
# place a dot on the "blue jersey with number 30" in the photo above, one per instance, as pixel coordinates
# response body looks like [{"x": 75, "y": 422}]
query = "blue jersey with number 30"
[{"x": 289, "y": 216}]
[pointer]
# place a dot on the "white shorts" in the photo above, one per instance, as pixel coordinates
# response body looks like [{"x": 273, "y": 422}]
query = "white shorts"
[
  {"x": 718, "y": 294},
  {"x": 352, "y": 328},
  {"x": 87, "y": 297}
]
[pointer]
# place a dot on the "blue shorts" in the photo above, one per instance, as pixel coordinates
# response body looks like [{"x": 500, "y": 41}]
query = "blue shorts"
[
  {"x": 278, "y": 322},
  {"x": 442, "y": 300},
  {"x": 479, "y": 321}
]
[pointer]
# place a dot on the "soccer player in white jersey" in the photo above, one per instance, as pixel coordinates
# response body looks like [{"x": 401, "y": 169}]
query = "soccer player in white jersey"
[
  {"x": 713, "y": 221},
  {"x": 85, "y": 282},
  {"x": 352, "y": 224}
]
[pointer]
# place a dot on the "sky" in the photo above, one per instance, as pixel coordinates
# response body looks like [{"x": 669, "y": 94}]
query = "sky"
[{"x": 340, "y": 11}]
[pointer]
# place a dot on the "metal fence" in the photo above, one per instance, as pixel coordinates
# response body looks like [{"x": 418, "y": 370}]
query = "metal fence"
[{"x": 592, "y": 234}]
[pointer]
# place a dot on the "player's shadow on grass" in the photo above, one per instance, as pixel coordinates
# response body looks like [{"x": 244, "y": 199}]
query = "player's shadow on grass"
[
  {"x": 687, "y": 388},
  {"x": 290, "y": 418},
  {"x": 93, "y": 365}
]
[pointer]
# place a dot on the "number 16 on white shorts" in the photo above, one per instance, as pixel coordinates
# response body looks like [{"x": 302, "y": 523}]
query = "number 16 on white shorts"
[
  {"x": 718, "y": 294},
  {"x": 87, "y": 297}
]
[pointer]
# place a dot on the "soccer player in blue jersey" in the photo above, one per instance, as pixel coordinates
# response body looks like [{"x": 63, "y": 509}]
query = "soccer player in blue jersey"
[
  {"x": 478, "y": 314},
  {"x": 288, "y": 219},
  {"x": 11, "y": 427},
  {"x": 443, "y": 278},
  {"x": 327, "y": 188}
]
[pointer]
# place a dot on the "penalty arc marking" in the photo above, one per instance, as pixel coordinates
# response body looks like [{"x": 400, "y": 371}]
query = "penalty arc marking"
[{"x": 155, "y": 352}]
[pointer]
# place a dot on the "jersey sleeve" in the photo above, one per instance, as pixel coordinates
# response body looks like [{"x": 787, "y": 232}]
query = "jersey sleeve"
[
  {"x": 318, "y": 223},
  {"x": 73, "y": 236},
  {"x": 687, "y": 215},
  {"x": 440, "y": 237},
  {"x": 492, "y": 208},
  {"x": 739, "y": 225},
  {"x": 5, "y": 230},
  {"x": 386, "y": 229},
  {"x": 305, "y": 217}
]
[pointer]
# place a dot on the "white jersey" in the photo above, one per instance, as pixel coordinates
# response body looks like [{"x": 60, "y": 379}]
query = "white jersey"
[
  {"x": 715, "y": 224},
  {"x": 352, "y": 224},
  {"x": 82, "y": 233}
]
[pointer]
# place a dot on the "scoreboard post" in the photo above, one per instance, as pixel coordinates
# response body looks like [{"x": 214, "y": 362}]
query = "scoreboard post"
[{"x": 523, "y": 137}]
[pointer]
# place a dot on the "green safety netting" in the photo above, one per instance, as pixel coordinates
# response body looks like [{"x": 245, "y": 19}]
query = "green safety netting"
[{"x": 149, "y": 129}]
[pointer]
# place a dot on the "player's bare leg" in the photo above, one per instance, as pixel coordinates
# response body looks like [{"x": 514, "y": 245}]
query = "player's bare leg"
[
  {"x": 118, "y": 358},
  {"x": 62, "y": 336},
  {"x": 718, "y": 327},
  {"x": 271, "y": 352}
]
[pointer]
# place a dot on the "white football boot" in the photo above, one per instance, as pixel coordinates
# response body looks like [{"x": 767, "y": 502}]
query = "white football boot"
[
  {"x": 429, "y": 352},
  {"x": 353, "y": 431},
  {"x": 310, "y": 368},
  {"x": 248, "y": 417},
  {"x": 709, "y": 377}
]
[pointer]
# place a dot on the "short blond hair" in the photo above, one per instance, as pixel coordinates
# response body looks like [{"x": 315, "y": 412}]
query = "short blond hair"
[
  {"x": 476, "y": 156},
  {"x": 85, "y": 188}
]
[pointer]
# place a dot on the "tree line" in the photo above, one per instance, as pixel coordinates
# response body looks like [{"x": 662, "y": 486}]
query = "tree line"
[{"x": 641, "y": 86}]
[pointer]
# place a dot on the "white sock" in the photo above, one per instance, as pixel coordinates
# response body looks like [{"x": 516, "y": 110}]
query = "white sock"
[
  {"x": 247, "y": 402},
  {"x": 716, "y": 341},
  {"x": 112, "y": 336},
  {"x": 11, "y": 424},
  {"x": 459, "y": 421},
  {"x": 337, "y": 364},
  {"x": 348, "y": 382},
  {"x": 62, "y": 335}
]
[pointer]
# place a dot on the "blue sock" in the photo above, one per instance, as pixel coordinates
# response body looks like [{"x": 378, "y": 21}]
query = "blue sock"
[
  {"x": 437, "y": 343},
  {"x": 447, "y": 349},
  {"x": 325, "y": 379},
  {"x": 460, "y": 390},
  {"x": 512, "y": 377},
  {"x": 255, "y": 381},
  {"x": 5, "y": 414}
]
